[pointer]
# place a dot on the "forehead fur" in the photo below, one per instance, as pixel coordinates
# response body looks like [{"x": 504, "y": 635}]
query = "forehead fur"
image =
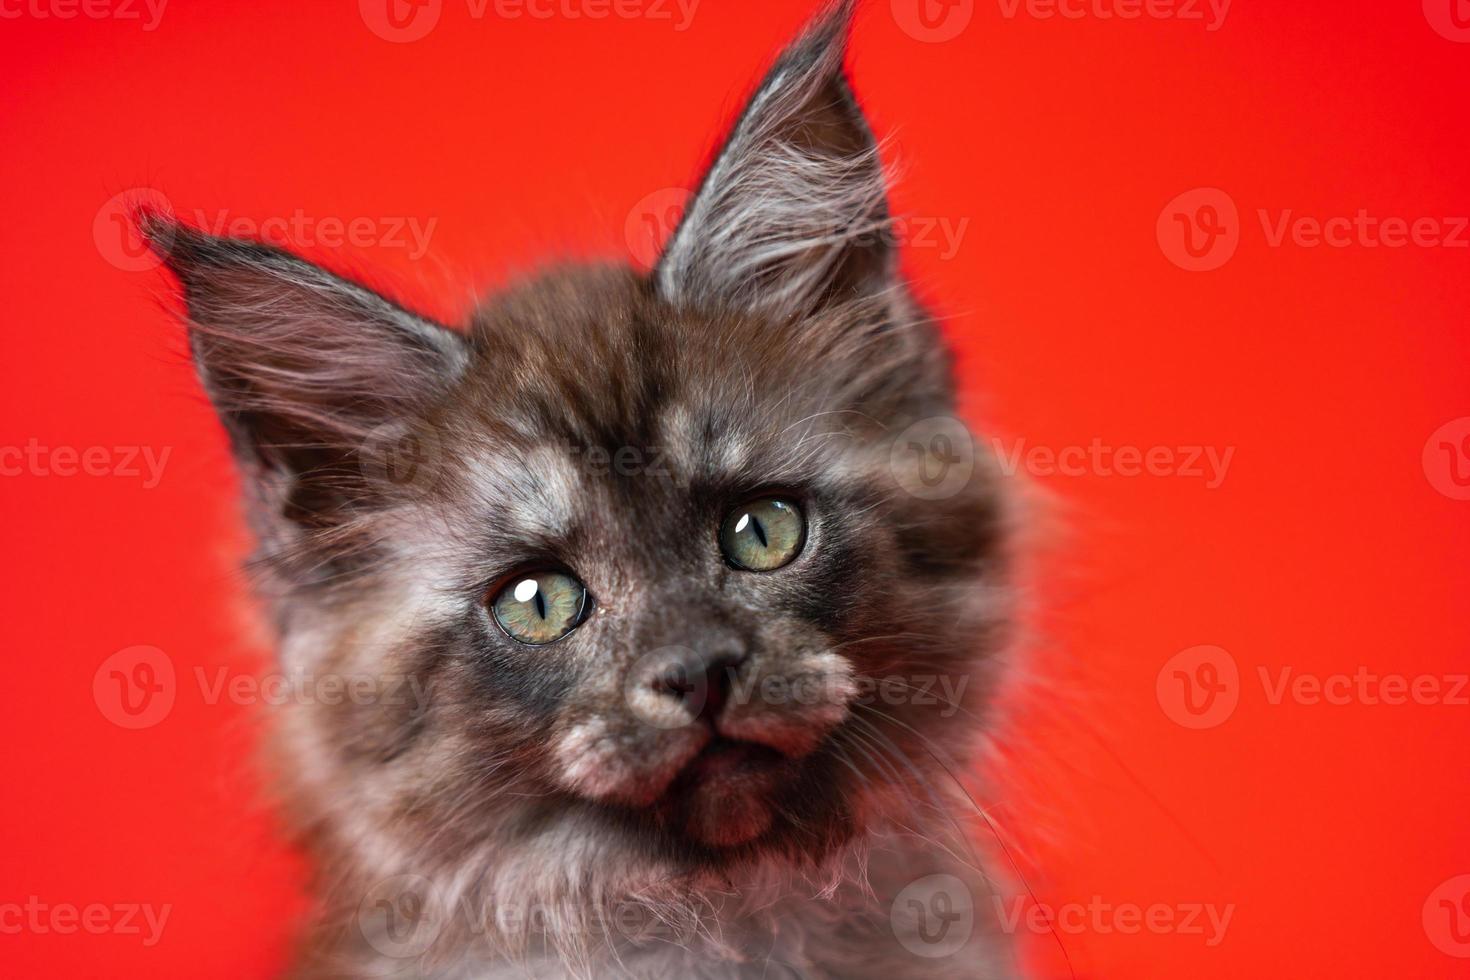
[{"x": 592, "y": 356}]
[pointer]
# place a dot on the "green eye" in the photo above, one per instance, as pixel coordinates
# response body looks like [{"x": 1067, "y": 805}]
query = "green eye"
[
  {"x": 763, "y": 535},
  {"x": 540, "y": 607}
]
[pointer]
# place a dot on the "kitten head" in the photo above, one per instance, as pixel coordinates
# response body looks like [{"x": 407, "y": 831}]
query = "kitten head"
[{"x": 624, "y": 560}]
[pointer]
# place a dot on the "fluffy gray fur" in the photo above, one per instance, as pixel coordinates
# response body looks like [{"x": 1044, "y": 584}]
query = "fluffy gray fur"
[{"x": 493, "y": 809}]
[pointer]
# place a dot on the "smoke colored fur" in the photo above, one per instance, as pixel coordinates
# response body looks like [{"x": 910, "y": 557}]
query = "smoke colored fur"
[{"x": 493, "y": 808}]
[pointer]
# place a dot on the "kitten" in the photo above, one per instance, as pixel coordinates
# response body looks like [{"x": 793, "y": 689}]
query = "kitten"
[{"x": 605, "y": 645}]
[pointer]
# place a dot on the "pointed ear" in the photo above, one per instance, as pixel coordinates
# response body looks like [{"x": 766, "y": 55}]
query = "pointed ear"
[
  {"x": 307, "y": 370},
  {"x": 793, "y": 213}
]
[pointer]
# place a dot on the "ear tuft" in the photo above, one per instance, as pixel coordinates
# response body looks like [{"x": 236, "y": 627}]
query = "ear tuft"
[
  {"x": 305, "y": 368},
  {"x": 793, "y": 213}
]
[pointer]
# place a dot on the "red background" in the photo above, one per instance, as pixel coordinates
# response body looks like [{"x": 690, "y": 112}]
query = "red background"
[{"x": 1326, "y": 547}]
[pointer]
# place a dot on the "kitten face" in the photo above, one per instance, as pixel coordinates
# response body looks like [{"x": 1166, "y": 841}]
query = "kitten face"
[
  {"x": 710, "y": 407},
  {"x": 713, "y": 452}
]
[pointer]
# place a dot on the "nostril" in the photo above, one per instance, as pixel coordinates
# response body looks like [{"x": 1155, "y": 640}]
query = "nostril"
[
  {"x": 719, "y": 677},
  {"x": 702, "y": 683},
  {"x": 675, "y": 681}
]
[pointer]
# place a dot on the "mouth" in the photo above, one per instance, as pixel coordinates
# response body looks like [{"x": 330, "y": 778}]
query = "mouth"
[
  {"x": 724, "y": 795},
  {"x": 724, "y": 758}
]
